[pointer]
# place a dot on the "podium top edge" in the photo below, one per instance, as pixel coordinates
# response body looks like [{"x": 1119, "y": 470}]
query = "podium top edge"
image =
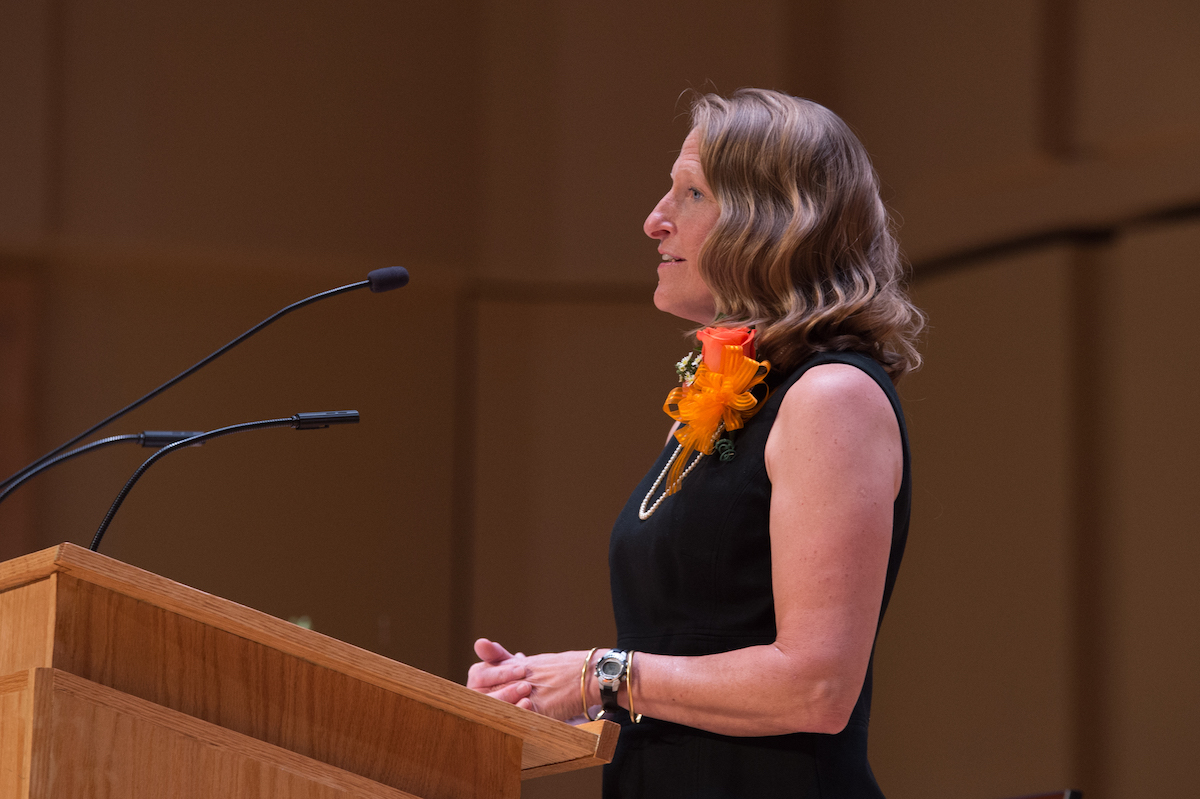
[
  {"x": 65, "y": 557},
  {"x": 29, "y": 568},
  {"x": 369, "y": 667}
]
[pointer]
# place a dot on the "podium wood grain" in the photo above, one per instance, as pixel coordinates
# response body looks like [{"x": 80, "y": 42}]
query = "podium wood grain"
[
  {"x": 98, "y": 622},
  {"x": 144, "y": 750}
]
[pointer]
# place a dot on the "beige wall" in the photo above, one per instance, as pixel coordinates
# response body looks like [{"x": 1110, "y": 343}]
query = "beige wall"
[{"x": 172, "y": 173}]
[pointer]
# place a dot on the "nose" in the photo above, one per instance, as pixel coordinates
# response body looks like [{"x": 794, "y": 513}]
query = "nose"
[{"x": 658, "y": 224}]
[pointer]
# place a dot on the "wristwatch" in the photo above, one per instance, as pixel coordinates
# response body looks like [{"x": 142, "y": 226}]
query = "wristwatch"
[{"x": 610, "y": 670}]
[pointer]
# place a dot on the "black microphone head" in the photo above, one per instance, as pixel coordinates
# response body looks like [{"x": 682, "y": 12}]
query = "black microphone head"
[{"x": 388, "y": 278}]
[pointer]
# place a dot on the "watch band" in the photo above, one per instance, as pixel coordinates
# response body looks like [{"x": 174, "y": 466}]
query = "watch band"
[{"x": 610, "y": 671}]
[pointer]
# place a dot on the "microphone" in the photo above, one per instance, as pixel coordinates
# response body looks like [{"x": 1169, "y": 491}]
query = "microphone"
[
  {"x": 299, "y": 421},
  {"x": 379, "y": 280},
  {"x": 388, "y": 278},
  {"x": 147, "y": 438}
]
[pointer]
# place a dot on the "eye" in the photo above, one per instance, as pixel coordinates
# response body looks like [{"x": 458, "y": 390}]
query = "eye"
[{"x": 696, "y": 193}]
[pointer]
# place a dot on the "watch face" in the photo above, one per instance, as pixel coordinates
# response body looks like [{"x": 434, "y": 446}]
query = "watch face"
[{"x": 610, "y": 668}]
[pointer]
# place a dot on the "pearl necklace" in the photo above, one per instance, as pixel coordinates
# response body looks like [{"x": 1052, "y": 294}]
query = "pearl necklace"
[{"x": 645, "y": 513}]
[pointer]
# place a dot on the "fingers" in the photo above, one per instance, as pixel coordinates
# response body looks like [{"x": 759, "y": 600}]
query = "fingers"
[
  {"x": 516, "y": 693},
  {"x": 484, "y": 678},
  {"x": 491, "y": 652},
  {"x": 497, "y": 669},
  {"x": 546, "y": 683}
]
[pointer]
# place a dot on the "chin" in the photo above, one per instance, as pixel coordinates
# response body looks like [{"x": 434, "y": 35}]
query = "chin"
[
  {"x": 690, "y": 308},
  {"x": 685, "y": 313},
  {"x": 663, "y": 303},
  {"x": 660, "y": 302}
]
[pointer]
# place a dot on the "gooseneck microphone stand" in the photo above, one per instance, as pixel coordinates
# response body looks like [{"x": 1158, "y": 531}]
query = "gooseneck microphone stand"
[
  {"x": 299, "y": 421},
  {"x": 147, "y": 438},
  {"x": 378, "y": 280}
]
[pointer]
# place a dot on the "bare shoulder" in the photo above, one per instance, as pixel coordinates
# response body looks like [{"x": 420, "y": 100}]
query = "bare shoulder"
[
  {"x": 835, "y": 413},
  {"x": 836, "y": 390}
]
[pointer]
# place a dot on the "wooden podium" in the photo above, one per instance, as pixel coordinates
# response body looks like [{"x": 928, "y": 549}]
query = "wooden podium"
[{"x": 115, "y": 682}]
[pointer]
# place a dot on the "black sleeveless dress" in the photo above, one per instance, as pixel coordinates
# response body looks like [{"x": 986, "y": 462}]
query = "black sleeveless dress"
[{"x": 695, "y": 579}]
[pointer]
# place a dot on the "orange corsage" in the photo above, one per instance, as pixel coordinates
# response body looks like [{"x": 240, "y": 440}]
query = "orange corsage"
[{"x": 717, "y": 398}]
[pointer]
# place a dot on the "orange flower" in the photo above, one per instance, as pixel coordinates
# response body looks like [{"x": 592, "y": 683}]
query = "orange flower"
[
  {"x": 717, "y": 396},
  {"x": 713, "y": 339}
]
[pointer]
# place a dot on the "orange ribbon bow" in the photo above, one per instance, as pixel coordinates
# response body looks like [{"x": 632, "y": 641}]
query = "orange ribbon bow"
[{"x": 715, "y": 397}]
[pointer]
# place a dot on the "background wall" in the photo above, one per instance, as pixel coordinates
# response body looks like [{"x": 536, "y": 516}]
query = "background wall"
[{"x": 172, "y": 173}]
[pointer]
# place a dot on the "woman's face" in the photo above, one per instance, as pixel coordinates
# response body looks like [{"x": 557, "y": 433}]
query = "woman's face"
[{"x": 681, "y": 222}]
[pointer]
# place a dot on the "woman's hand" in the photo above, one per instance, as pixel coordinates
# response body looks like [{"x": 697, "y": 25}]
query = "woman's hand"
[
  {"x": 500, "y": 674},
  {"x": 547, "y": 684}
]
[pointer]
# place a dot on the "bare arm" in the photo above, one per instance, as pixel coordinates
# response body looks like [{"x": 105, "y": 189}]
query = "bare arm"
[{"x": 834, "y": 460}]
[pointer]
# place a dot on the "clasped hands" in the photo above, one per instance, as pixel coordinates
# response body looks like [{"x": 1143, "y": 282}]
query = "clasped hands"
[{"x": 547, "y": 684}]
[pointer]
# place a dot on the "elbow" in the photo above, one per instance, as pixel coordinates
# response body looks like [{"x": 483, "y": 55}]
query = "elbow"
[
  {"x": 832, "y": 720},
  {"x": 823, "y": 690},
  {"x": 824, "y": 708},
  {"x": 831, "y": 712}
]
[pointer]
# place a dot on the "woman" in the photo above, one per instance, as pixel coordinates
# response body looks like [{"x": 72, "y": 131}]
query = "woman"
[{"x": 752, "y": 566}]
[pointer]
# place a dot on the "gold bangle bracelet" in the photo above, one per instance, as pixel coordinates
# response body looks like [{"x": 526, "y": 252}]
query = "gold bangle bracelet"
[
  {"x": 587, "y": 661},
  {"x": 637, "y": 717}
]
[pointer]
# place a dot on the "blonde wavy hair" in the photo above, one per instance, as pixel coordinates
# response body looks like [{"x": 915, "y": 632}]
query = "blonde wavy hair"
[{"x": 803, "y": 248}]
